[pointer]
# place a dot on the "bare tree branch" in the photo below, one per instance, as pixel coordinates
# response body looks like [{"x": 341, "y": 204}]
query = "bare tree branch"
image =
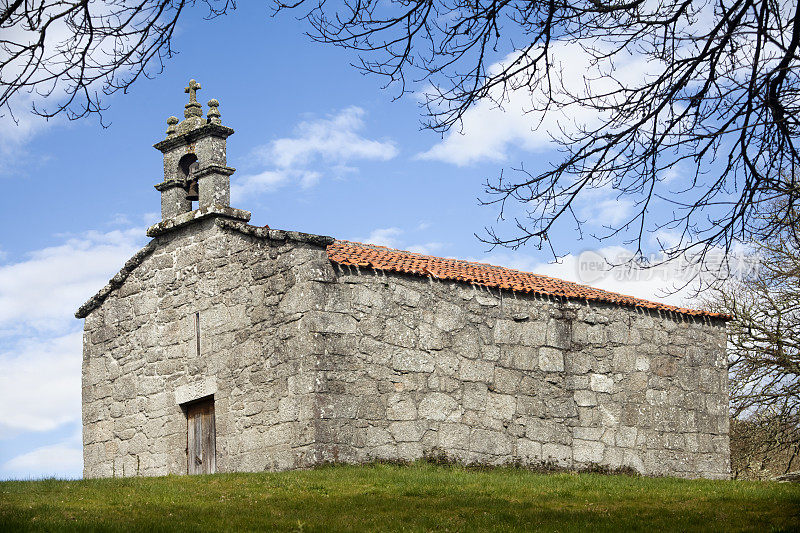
[
  {"x": 720, "y": 101},
  {"x": 764, "y": 350},
  {"x": 66, "y": 55}
]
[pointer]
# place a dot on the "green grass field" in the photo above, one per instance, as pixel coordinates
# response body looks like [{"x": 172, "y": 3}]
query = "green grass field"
[{"x": 418, "y": 497}]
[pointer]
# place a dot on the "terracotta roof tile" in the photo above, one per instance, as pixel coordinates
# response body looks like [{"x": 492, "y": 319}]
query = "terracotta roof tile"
[{"x": 382, "y": 258}]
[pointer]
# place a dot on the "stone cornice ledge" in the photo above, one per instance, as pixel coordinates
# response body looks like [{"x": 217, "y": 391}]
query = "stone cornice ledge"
[
  {"x": 115, "y": 282},
  {"x": 275, "y": 234},
  {"x": 192, "y": 135},
  {"x": 184, "y": 219}
]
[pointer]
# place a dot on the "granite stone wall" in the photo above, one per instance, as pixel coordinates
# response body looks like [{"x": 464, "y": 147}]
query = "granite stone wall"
[
  {"x": 140, "y": 357},
  {"x": 415, "y": 367},
  {"x": 311, "y": 362}
]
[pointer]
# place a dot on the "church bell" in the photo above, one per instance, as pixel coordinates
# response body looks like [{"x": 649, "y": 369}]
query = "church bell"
[{"x": 192, "y": 192}]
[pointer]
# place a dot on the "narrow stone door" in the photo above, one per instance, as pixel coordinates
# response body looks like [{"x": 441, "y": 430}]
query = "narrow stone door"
[{"x": 201, "y": 449}]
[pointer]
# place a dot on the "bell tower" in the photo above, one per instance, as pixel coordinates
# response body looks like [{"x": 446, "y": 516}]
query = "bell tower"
[{"x": 196, "y": 174}]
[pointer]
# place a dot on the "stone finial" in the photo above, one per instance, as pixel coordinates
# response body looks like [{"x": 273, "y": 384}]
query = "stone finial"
[
  {"x": 193, "y": 108},
  {"x": 172, "y": 122},
  {"x": 213, "y": 112},
  {"x": 192, "y": 90}
]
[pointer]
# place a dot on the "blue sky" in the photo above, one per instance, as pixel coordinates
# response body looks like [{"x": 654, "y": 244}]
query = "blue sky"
[{"x": 318, "y": 148}]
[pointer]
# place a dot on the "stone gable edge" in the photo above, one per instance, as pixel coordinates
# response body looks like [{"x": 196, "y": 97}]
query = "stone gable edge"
[
  {"x": 138, "y": 258},
  {"x": 322, "y": 241},
  {"x": 114, "y": 283}
]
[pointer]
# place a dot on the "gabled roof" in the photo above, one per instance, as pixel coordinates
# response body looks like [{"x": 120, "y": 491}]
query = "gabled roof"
[{"x": 389, "y": 259}]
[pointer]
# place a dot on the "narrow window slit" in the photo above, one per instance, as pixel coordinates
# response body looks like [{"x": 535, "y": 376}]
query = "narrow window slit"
[{"x": 197, "y": 332}]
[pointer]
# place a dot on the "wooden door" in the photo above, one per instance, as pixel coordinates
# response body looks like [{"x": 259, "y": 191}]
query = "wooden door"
[{"x": 201, "y": 449}]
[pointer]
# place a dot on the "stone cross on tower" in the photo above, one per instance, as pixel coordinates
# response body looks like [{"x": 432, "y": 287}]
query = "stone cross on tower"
[
  {"x": 192, "y": 90},
  {"x": 193, "y": 108},
  {"x": 195, "y": 166}
]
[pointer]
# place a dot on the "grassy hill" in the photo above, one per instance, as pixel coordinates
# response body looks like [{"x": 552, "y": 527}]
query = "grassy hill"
[{"x": 399, "y": 498}]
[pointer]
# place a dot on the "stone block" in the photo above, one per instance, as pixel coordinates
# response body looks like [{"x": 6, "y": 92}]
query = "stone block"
[
  {"x": 585, "y": 433},
  {"x": 397, "y": 332},
  {"x": 323, "y": 322},
  {"x": 551, "y": 359},
  {"x": 664, "y": 366},
  {"x": 557, "y": 453},
  {"x": 626, "y": 437},
  {"x": 448, "y": 317},
  {"x": 288, "y": 409},
  {"x": 490, "y": 442},
  {"x": 624, "y": 358},
  {"x": 377, "y": 436},
  {"x": 631, "y": 459},
  {"x": 501, "y": 406},
  {"x": 580, "y": 362},
  {"x": 558, "y": 334},
  {"x": 529, "y": 450},
  {"x": 596, "y": 335},
  {"x": 408, "y": 431},
  {"x": 528, "y": 333},
  {"x": 585, "y": 398},
  {"x": 476, "y": 370},
  {"x": 430, "y": 337},
  {"x": 506, "y": 381},
  {"x": 412, "y": 361},
  {"x": 560, "y": 406},
  {"x": 613, "y": 457},
  {"x": 580, "y": 333},
  {"x": 438, "y": 406},
  {"x": 364, "y": 296},
  {"x": 409, "y": 451},
  {"x": 601, "y": 383},
  {"x": 401, "y": 409},
  {"x": 584, "y": 451},
  {"x": 454, "y": 436},
  {"x": 195, "y": 390},
  {"x": 475, "y": 394},
  {"x": 370, "y": 407},
  {"x": 618, "y": 332},
  {"x": 523, "y": 357}
]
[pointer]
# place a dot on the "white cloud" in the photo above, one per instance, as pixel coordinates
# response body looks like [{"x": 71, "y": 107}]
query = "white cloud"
[
  {"x": 22, "y": 126},
  {"x": 383, "y": 237},
  {"x": 40, "y": 384},
  {"x": 666, "y": 284},
  {"x": 609, "y": 212},
  {"x": 40, "y": 339},
  {"x": 393, "y": 238},
  {"x": 150, "y": 218},
  {"x": 119, "y": 219},
  {"x": 43, "y": 291},
  {"x": 488, "y": 130},
  {"x": 428, "y": 248},
  {"x": 320, "y": 147},
  {"x": 16, "y": 131},
  {"x": 18, "y": 124},
  {"x": 250, "y": 184},
  {"x": 334, "y": 139},
  {"x": 673, "y": 283},
  {"x": 603, "y": 206},
  {"x": 63, "y": 459}
]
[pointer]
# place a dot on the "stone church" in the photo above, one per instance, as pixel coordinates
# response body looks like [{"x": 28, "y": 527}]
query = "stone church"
[{"x": 222, "y": 347}]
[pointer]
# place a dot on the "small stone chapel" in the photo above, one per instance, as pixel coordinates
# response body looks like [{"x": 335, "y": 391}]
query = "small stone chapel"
[{"x": 223, "y": 347}]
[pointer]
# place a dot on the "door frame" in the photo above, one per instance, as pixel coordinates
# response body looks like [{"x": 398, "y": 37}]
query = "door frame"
[{"x": 185, "y": 407}]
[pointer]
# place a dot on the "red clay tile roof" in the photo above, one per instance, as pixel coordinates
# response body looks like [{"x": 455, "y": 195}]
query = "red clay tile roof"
[{"x": 382, "y": 258}]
